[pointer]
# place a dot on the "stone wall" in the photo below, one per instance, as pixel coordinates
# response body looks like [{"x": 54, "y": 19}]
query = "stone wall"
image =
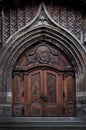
[{"x": 15, "y": 17}]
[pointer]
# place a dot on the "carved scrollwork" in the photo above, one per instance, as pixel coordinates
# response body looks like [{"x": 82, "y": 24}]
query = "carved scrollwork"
[
  {"x": 45, "y": 54},
  {"x": 51, "y": 88},
  {"x": 35, "y": 88}
]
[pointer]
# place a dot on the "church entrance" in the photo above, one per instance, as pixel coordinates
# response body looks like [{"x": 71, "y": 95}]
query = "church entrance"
[{"x": 43, "y": 83}]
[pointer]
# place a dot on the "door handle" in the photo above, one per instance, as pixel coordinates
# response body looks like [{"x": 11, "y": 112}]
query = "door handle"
[{"x": 44, "y": 97}]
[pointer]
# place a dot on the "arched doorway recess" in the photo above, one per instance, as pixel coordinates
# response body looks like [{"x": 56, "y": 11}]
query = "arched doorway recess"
[
  {"x": 43, "y": 83},
  {"x": 42, "y": 29}
]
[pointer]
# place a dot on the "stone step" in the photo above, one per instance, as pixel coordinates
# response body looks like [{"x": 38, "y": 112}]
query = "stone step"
[{"x": 42, "y": 123}]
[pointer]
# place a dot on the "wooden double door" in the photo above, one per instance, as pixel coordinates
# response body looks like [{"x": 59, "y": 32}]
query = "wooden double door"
[
  {"x": 43, "y": 83},
  {"x": 43, "y": 92}
]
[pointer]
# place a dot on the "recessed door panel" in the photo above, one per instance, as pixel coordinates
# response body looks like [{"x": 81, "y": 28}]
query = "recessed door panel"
[
  {"x": 36, "y": 90},
  {"x": 50, "y": 104},
  {"x": 43, "y": 92}
]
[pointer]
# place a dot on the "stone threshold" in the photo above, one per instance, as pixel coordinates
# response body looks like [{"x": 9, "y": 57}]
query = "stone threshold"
[{"x": 26, "y": 122}]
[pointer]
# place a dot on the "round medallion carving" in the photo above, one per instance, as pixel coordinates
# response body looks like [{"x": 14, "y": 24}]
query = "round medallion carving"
[{"x": 43, "y": 54}]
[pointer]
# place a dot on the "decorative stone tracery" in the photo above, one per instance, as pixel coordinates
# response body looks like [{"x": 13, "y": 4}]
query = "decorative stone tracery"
[{"x": 17, "y": 17}]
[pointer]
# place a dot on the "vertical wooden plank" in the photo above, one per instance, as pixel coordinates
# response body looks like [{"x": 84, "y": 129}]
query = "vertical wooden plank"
[
  {"x": 22, "y": 89},
  {"x": 70, "y": 95},
  {"x": 26, "y": 89},
  {"x": 13, "y": 95},
  {"x": 60, "y": 94},
  {"x": 65, "y": 95},
  {"x": 42, "y": 90},
  {"x": 36, "y": 105},
  {"x": 50, "y": 105},
  {"x": 22, "y": 93},
  {"x": 45, "y": 92},
  {"x": 27, "y": 94},
  {"x": 16, "y": 89},
  {"x": 45, "y": 82}
]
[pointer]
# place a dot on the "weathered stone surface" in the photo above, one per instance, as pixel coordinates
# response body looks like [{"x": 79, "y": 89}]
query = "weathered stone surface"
[
  {"x": 5, "y": 110},
  {"x": 42, "y": 123}
]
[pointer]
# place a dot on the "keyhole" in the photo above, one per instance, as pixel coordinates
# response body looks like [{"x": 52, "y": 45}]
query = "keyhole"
[
  {"x": 23, "y": 94},
  {"x": 63, "y": 94}
]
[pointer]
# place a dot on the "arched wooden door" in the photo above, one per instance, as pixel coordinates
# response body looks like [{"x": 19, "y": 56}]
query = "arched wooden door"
[{"x": 40, "y": 89}]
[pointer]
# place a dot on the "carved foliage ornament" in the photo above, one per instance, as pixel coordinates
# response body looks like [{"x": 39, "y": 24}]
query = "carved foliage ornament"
[
  {"x": 51, "y": 88},
  {"x": 43, "y": 54}
]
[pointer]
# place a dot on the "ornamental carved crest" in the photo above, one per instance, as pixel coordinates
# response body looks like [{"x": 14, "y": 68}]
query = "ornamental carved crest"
[{"x": 43, "y": 54}]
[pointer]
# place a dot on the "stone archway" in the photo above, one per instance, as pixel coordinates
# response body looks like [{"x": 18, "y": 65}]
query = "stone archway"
[{"x": 41, "y": 28}]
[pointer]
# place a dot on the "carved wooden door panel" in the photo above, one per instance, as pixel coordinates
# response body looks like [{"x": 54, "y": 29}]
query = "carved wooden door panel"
[
  {"x": 50, "y": 93},
  {"x": 53, "y": 90},
  {"x": 27, "y": 89},
  {"x": 36, "y": 88},
  {"x": 43, "y": 83},
  {"x": 43, "y": 92}
]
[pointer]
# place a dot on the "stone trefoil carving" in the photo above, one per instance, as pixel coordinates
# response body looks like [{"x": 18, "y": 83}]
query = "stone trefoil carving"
[{"x": 42, "y": 20}]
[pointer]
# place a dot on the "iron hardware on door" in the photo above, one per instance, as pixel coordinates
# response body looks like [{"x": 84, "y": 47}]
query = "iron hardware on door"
[{"x": 44, "y": 97}]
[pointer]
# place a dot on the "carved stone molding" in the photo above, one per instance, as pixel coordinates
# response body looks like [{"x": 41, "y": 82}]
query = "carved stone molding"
[{"x": 18, "y": 16}]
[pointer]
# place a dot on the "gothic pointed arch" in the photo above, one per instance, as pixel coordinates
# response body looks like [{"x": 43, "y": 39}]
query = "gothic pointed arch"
[{"x": 41, "y": 28}]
